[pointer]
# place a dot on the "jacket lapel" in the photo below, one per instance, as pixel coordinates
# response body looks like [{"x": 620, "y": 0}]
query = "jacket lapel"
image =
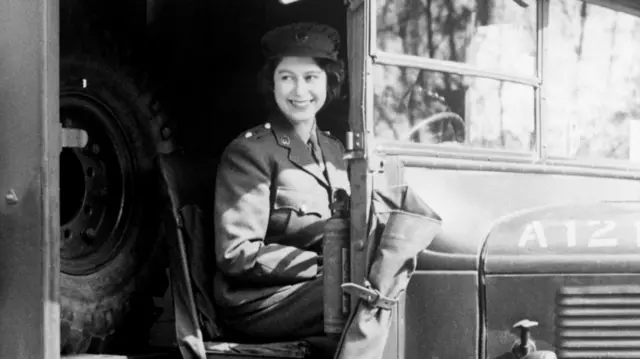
[
  {"x": 299, "y": 153},
  {"x": 334, "y": 162}
]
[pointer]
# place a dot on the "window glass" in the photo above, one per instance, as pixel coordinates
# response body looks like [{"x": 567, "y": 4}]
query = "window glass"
[
  {"x": 412, "y": 105},
  {"x": 592, "y": 83},
  {"x": 497, "y": 35}
]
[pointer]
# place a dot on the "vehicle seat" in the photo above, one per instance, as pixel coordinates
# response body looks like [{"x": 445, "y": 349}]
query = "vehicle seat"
[{"x": 190, "y": 183}]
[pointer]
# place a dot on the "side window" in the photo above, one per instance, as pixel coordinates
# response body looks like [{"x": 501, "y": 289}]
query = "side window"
[
  {"x": 592, "y": 87},
  {"x": 467, "y": 72},
  {"x": 494, "y": 35},
  {"x": 432, "y": 107}
]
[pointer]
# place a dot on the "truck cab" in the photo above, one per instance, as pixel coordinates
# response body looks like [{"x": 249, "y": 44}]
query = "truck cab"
[{"x": 515, "y": 120}]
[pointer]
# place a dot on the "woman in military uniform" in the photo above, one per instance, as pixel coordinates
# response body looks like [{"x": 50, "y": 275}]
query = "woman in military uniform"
[{"x": 274, "y": 186}]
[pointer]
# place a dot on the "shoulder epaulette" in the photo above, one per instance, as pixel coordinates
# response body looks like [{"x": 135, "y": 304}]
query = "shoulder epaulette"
[{"x": 257, "y": 131}]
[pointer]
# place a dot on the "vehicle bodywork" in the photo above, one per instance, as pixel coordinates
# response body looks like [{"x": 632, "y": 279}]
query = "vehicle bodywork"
[
  {"x": 527, "y": 237},
  {"x": 505, "y": 256},
  {"x": 30, "y": 144},
  {"x": 552, "y": 242}
]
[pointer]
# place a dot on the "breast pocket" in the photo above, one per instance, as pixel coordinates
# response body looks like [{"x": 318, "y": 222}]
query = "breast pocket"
[{"x": 294, "y": 210}]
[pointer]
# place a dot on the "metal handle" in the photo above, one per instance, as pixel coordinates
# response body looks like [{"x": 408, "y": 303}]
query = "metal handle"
[
  {"x": 526, "y": 345},
  {"x": 74, "y": 137}
]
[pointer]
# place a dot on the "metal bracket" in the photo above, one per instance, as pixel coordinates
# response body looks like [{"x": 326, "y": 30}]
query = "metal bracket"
[
  {"x": 355, "y": 141},
  {"x": 369, "y": 295},
  {"x": 355, "y": 146},
  {"x": 375, "y": 164},
  {"x": 356, "y": 150},
  {"x": 74, "y": 137}
]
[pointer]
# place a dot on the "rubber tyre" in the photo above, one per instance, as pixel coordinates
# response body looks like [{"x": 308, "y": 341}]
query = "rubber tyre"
[{"x": 106, "y": 303}]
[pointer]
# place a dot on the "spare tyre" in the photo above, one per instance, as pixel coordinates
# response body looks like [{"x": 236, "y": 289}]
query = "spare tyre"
[{"x": 111, "y": 210}]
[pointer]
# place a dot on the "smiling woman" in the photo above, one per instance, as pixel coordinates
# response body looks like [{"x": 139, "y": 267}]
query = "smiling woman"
[
  {"x": 274, "y": 187},
  {"x": 300, "y": 88}
]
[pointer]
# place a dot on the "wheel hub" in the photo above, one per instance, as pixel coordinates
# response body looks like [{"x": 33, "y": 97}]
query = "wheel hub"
[{"x": 94, "y": 183}]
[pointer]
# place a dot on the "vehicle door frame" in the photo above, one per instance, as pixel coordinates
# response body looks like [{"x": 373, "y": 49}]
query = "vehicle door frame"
[
  {"x": 30, "y": 143},
  {"x": 363, "y": 163}
]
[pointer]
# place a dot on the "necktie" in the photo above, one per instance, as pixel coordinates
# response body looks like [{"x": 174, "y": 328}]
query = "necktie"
[{"x": 316, "y": 152}]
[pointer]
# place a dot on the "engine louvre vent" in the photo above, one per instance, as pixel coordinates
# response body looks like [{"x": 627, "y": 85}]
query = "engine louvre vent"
[{"x": 598, "y": 322}]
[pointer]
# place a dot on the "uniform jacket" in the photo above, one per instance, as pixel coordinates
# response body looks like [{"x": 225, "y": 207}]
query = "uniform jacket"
[{"x": 272, "y": 200}]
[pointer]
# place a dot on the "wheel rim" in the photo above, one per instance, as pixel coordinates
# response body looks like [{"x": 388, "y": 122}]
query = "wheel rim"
[{"x": 95, "y": 186}]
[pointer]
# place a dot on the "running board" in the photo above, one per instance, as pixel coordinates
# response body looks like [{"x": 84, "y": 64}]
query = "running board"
[{"x": 222, "y": 350}]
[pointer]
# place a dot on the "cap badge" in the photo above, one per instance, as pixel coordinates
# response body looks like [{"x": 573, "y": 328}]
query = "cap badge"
[{"x": 301, "y": 37}]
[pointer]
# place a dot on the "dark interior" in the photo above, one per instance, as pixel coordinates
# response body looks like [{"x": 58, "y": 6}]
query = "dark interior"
[
  {"x": 214, "y": 59},
  {"x": 201, "y": 57},
  {"x": 213, "y": 92}
]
